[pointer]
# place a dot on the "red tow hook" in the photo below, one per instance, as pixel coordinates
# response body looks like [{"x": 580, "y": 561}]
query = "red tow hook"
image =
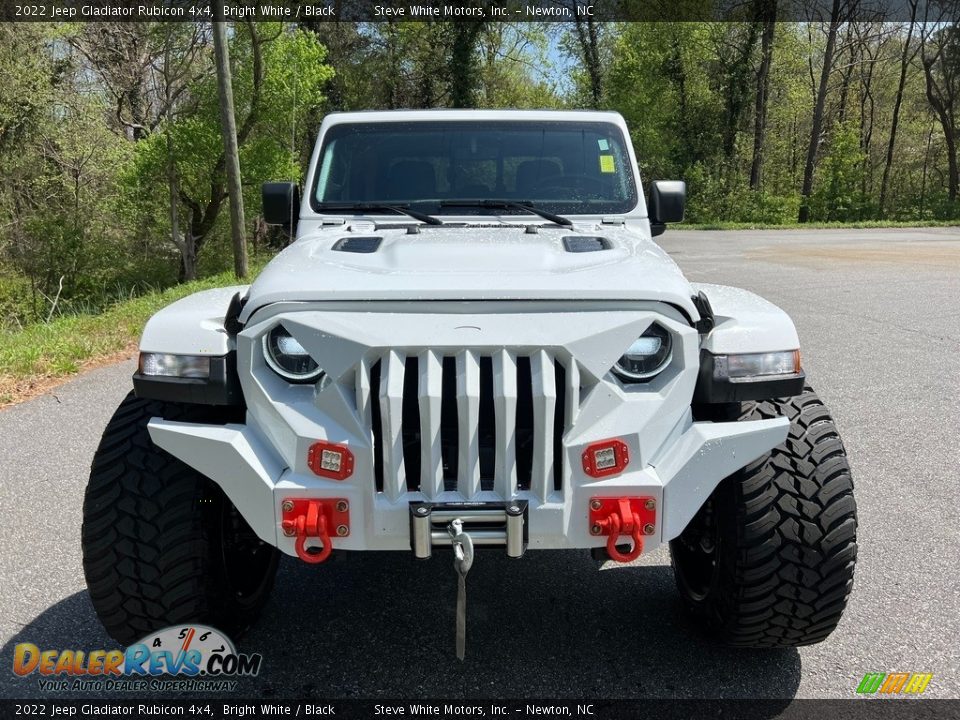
[
  {"x": 615, "y": 517},
  {"x": 313, "y": 520}
]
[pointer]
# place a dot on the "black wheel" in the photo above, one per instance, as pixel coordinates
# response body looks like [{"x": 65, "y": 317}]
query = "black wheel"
[
  {"x": 162, "y": 544},
  {"x": 768, "y": 560}
]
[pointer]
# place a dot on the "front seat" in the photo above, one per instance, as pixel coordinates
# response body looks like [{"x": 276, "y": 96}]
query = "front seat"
[{"x": 410, "y": 180}]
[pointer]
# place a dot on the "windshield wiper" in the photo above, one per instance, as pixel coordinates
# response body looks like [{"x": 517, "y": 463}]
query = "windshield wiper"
[
  {"x": 401, "y": 209},
  {"x": 524, "y": 205}
]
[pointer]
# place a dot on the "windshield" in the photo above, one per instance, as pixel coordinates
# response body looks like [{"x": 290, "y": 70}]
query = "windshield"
[{"x": 562, "y": 167}]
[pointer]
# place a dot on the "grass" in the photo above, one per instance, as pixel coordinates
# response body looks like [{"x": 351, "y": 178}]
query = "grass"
[
  {"x": 41, "y": 353},
  {"x": 723, "y": 225}
]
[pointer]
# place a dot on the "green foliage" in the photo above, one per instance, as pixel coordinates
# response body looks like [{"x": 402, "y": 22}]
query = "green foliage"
[
  {"x": 667, "y": 80},
  {"x": 84, "y": 211},
  {"x": 440, "y": 64},
  {"x": 838, "y": 194},
  {"x": 657, "y": 81},
  {"x": 62, "y": 247},
  {"x": 293, "y": 79},
  {"x": 26, "y": 89},
  {"x": 714, "y": 198},
  {"x": 515, "y": 68}
]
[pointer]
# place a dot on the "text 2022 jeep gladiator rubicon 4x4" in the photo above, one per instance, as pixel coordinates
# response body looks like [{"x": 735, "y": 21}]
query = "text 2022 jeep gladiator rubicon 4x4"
[{"x": 473, "y": 342}]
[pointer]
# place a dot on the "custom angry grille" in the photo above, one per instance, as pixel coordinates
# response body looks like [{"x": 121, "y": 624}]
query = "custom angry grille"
[{"x": 468, "y": 421}]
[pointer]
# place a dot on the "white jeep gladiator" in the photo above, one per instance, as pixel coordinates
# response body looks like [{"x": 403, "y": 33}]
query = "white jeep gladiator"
[{"x": 473, "y": 342}]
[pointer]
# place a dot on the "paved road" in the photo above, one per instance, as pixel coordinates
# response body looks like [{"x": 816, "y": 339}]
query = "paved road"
[{"x": 877, "y": 315}]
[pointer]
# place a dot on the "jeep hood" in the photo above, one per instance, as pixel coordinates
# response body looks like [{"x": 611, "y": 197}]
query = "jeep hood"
[{"x": 470, "y": 263}]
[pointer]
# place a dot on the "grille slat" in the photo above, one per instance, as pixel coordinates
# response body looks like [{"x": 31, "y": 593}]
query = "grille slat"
[
  {"x": 468, "y": 422},
  {"x": 544, "y": 386},
  {"x": 430, "y": 394},
  {"x": 391, "y": 415},
  {"x": 362, "y": 386},
  {"x": 505, "y": 410}
]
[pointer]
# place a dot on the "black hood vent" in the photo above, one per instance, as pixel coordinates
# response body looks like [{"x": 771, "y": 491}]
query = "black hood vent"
[
  {"x": 585, "y": 243},
  {"x": 367, "y": 244}
]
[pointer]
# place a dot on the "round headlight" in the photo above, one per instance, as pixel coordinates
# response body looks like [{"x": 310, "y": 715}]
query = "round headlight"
[
  {"x": 648, "y": 355},
  {"x": 287, "y": 357}
]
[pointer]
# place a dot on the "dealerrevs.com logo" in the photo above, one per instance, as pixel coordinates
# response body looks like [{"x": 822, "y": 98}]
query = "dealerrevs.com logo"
[{"x": 191, "y": 657}]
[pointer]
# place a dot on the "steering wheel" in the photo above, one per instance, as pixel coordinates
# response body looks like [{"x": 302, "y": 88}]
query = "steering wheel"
[{"x": 585, "y": 183}]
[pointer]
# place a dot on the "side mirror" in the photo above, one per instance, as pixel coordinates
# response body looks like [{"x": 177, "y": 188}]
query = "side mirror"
[
  {"x": 281, "y": 204},
  {"x": 667, "y": 200}
]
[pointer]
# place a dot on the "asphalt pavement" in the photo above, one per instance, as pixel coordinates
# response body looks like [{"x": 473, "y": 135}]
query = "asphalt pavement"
[{"x": 877, "y": 313}]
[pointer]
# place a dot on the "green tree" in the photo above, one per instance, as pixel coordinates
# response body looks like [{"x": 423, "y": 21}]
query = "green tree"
[
  {"x": 279, "y": 76},
  {"x": 940, "y": 57},
  {"x": 515, "y": 69},
  {"x": 839, "y": 176},
  {"x": 662, "y": 81}
]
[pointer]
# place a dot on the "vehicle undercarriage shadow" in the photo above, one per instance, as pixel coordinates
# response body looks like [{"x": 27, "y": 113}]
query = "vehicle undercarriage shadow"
[{"x": 548, "y": 625}]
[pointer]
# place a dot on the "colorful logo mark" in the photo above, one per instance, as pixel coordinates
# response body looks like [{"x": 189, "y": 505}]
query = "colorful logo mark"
[{"x": 894, "y": 683}]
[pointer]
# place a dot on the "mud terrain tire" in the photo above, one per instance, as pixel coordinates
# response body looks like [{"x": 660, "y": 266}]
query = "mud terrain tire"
[
  {"x": 768, "y": 560},
  {"x": 162, "y": 544}
]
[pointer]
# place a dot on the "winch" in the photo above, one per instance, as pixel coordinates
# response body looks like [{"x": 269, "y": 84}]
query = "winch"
[{"x": 490, "y": 524}]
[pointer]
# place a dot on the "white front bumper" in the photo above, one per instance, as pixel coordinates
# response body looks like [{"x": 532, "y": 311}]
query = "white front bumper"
[
  {"x": 257, "y": 481},
  {"x": 387, "y": 358}
]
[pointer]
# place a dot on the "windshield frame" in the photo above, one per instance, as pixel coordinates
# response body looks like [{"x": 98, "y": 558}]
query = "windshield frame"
[{"x": 632, "y": 205}]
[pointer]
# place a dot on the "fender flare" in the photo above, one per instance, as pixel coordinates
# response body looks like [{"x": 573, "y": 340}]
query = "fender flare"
[
  {"x": 203, "y": 324},
  {"x": 193, "y": 325},
  {"x": 745, "y": 322}
]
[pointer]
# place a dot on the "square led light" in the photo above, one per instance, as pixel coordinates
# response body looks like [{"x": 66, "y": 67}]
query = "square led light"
[
  {"x": 331, "y": 460},
  {"x": 604, "y": 459}
]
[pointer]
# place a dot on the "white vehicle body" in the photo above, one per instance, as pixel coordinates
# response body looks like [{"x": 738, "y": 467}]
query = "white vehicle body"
[{"x": 509, "y": 313}]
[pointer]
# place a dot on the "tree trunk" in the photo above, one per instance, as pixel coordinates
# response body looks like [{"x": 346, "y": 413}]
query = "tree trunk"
[
  {"x": 588, "y": 37},
  {"x": 904, "y": 66},
  {"x": 738, "y": 91},
  {"x": 464, "y": 77},
  {"x": 923, "y": 179},
  {"x": 847, "y": 73},
  {"x": 188, "y": 259},
  {"x": 204, "y": 217},
  {"x": 953, "y": 177},
  {"x": 867, "y": 118},
  {"x": 135, "y": 102},
  {"x": 946, "y": 123},
  {"x": 188, "y": 264},
  {"x": 231, "y": 152},
  {"x": 763, "y": 93},
  {"x": 817, "y": 125}
]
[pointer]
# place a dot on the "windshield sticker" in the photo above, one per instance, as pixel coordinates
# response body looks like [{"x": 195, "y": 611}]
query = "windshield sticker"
[
  {"x": 603, "y": 144},
  {"x": 606, "y": 164}
]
